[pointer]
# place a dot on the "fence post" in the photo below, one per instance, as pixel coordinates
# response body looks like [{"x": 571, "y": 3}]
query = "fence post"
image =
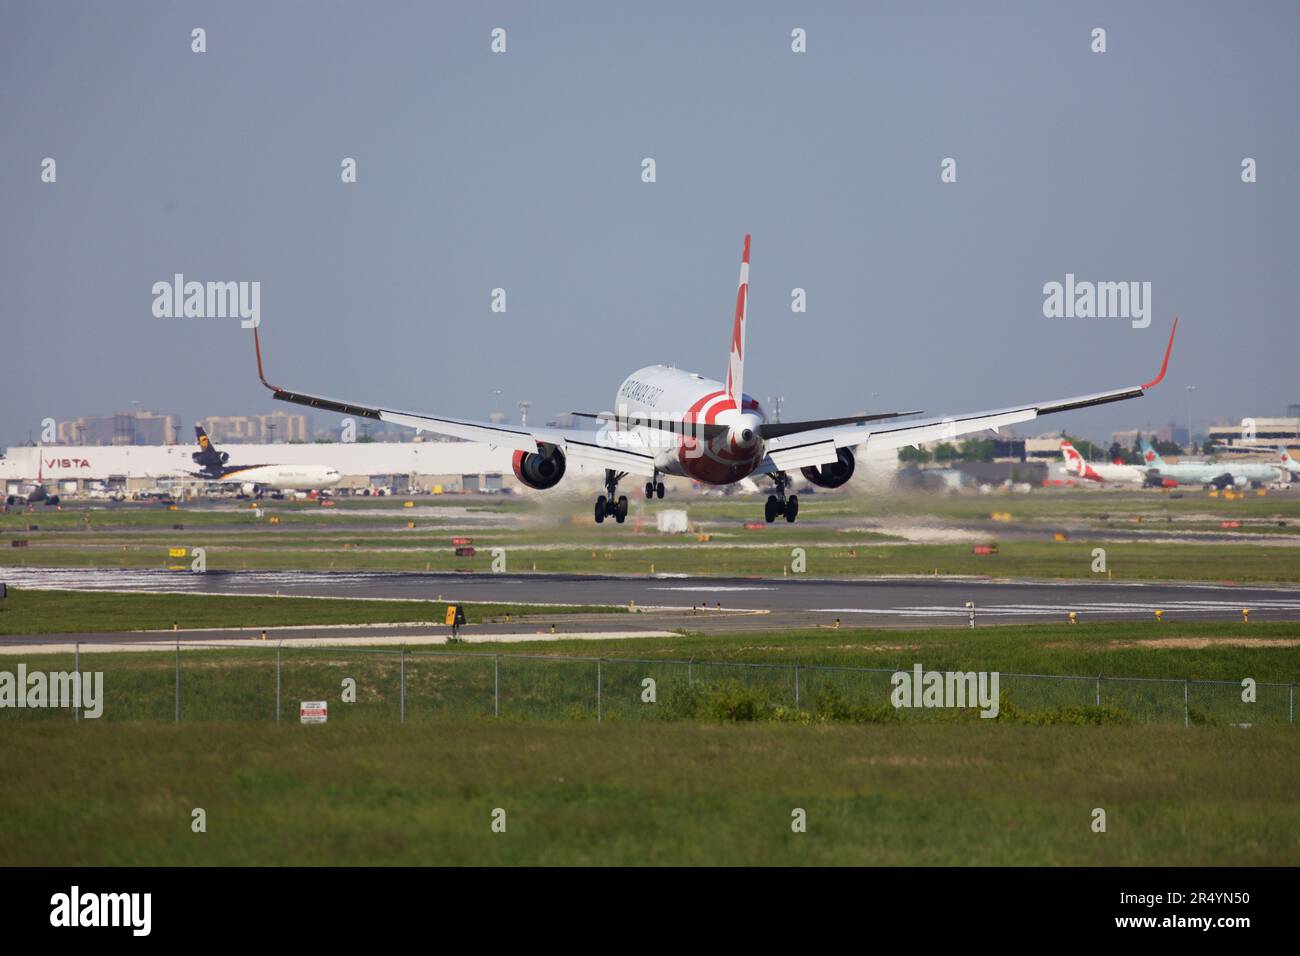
[
  {"x": 1098, "y": 690},
  {"x": 796, "y": 685},
  {"x": 277, "y": 680},
  {"x": 1291, "y": 705},
  {"x": 690, "y": 673},
  {"x": 1187, "y": 716},
  {"x": 598, "y": 676},
  {"x": 401, "y": 694},
  {"x": 76, "y": 710},
  {"x": 496, "y": 686},
  {"x": 178, "y": 682}
]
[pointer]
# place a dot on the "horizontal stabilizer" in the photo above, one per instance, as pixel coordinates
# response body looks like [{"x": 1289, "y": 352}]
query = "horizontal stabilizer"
[{"x": 701, "y": 430}]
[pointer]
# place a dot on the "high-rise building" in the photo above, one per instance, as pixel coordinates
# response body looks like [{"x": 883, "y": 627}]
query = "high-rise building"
[
  {"x": 139, "y": 427},
  {"x": 273, "y": 427}
]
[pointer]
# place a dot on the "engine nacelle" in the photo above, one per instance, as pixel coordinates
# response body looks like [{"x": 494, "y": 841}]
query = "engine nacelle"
[
  {"x": 539, "y": 471},
  {"x": 833, "y": 474}
]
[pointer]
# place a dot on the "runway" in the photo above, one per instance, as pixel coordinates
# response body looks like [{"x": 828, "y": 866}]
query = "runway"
[{"x": 786, "y": 602}]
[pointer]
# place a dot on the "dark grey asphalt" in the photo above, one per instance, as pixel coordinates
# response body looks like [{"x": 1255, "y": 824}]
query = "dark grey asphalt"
[{"x": 875, "y": 602}]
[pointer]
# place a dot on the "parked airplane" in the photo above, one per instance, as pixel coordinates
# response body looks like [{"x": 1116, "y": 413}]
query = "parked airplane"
[
  {"x": 1116, "y": 473},
  {"x": 1286, "y": 465},
  {"x": 35, "y": 494},
  {"x": 1291, "y": 466},
  {"x": 254, "y": 479},
  {"x": 671, "y": 422},
  {"x": 1218, "y": 473}
]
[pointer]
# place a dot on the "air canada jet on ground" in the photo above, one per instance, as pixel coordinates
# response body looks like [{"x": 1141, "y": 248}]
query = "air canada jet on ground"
[
  {"x": 1221, "y": 474},
  {"x": 1289, "y": 464},
  {"x": 1286, "y": 465},
  {"x": 253, "y": 479},
  {"x": 671, "y": 422}
]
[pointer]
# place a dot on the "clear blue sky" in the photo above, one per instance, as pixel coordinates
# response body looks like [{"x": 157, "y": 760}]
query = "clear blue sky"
[{"x": 523, "y": 171}]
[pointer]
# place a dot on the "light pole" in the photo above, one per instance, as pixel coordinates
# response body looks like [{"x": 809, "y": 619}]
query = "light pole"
[{"x": 1190, "y": 389}]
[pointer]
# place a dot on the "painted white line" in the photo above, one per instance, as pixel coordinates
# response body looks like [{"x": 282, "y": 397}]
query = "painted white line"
[{"x": 388, "y": 640}]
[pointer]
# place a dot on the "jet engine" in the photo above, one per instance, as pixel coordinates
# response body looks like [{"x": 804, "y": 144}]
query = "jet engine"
[
  {"x": 833, "y": 474},
  {"x": 538, "y": 470}
]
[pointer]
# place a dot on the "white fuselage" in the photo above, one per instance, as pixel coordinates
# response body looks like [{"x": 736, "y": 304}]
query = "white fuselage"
[
  {"x": 284, "y": 477},
  {"x": 1114, "y": 474},
  {"x": 679, "y": 399}
]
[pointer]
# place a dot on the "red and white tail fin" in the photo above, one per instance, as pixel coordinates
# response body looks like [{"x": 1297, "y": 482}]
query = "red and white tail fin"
[
  {"x": 1073, "y": 460},
  {"x": 736, "y": 366}
]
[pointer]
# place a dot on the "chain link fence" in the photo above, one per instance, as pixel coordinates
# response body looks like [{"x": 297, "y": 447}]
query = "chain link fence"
[{"x": 199, "y": 681}]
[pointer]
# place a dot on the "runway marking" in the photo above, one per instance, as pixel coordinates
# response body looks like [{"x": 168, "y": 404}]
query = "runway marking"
[
  {"x": 1022, "y": 610},
  {"x": 388, "y": 640},
  {"x": 711, "y": 589}
]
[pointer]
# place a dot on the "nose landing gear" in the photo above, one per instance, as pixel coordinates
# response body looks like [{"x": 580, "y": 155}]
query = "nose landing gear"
[
  {"x": 606, "y": 505},
  {"x": 779, "y": 503}
]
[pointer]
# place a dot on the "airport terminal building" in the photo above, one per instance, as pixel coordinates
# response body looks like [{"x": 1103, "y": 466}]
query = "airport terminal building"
[{"x": 397, "y": 466}]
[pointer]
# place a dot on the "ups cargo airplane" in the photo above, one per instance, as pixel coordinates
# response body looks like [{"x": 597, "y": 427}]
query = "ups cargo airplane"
[
  {"x": 253, "y": 479},
  {"x": 671, "y": 422}
]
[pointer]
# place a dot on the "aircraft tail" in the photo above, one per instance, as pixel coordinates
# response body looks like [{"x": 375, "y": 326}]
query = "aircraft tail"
[
  {"x": 207, "y": 457},
  {"x": 1289, "y": 463},
  {"x": 736, "y": 363},
  {"x": 1149, "y": 456},
  {"x": 1073, "y": 460}
]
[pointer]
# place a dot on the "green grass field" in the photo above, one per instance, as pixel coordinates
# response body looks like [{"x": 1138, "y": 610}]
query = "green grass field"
[
  {"x": 1126, "y": 561},
  {"x": 711, "y": 770},
  {"x": 710, "y": 777},
  {"x": 54, "y": 612},
  {"x": 676, "y": 793},
  {"x": 556, "y": 535},
  {"x": 1049, "y": 674}
]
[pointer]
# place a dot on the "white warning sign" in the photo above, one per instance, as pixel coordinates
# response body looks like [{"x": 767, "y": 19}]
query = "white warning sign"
[{"x": 313, "y": 711}]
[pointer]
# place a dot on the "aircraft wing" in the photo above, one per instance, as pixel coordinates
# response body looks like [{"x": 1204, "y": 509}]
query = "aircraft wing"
[
  {"x": 822, "y": 445},
  {"x": 619, "y": 450}
]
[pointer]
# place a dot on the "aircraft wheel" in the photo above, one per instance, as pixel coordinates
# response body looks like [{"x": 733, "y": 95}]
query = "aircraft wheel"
[
  {"x": 659, "y": 490},
  {"x": 769, "y": 512},
  {"x": 621, "y": 511},
  {"x": 600, "y": 509},
  {"x": 791, "y": 508},
  {"x": 649, "y": 490}
]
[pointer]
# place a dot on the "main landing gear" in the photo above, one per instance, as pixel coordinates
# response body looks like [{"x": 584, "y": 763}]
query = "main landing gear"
[
  {"x": 654, "y": 487},
  {"x": 779, "y": 504},
  {"x": 606, "y": 505}
]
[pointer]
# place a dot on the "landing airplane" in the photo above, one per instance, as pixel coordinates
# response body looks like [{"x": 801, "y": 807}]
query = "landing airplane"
[
  {"x": 1116, "y": 473},
  {"x": 1221, "y": 474},
  {"x": 252, "y": 479},
  {"x": 672, "y": 422}
]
